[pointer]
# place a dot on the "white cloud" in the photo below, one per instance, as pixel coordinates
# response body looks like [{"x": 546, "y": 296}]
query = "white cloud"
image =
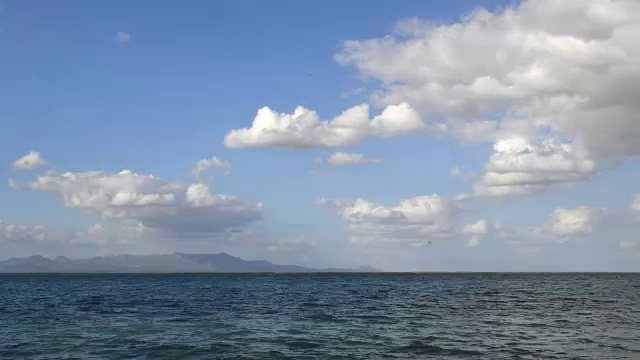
[
  {"x": 562, "y": 225},
  {"x": 214, "y": 162},
  {"x": 414, "y": 221},
  {"x": 519, "y": 167},
  {"x": 21, "y": 233},
  {"x": 480, "y": 227},
  {"x": 477, "y": 231},
  {"x": 304, "y": 129},
  {"x": 474, "y": 241},
  {"x": 177, "y": 208},
  {"x": 30, "y": 161},
  {"x": 342, "y": 158},
  {"x": 123, "y": 37},
  {"x": 563, "y": 74},
  {"x": 577, "y": 221}
]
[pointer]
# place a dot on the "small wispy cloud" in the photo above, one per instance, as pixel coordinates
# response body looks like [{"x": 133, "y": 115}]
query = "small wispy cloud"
[
  {"x": 123, "y": 37},
  {"x": 30, "y": 161},
  {"x": 341, "y": 158},
  {"x": 628, "y": 244},
  {"x": 352, "y": 93},
  {"x": 461, "y": 174},
  {"x": 214, "y": 162},
  {"x": 14, "y": 184}
]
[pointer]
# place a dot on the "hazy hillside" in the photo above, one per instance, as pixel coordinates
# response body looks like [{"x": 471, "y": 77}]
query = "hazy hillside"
[{"x": 169, "y": 263}]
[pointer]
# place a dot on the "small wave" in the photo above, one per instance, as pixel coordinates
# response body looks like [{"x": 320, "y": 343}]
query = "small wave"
[
  {"x": 429, "y": 349},
  {"x": 302, "y": 344}
]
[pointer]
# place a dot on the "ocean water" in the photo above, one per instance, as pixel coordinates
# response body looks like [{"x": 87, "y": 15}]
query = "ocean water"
[{"x": 316, "y": 316}]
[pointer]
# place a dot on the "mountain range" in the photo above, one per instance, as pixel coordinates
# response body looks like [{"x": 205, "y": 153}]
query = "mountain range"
[{"x": 169, "y": 263}]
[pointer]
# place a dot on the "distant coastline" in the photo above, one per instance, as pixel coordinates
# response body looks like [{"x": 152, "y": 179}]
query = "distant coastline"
[{"x": 176, "y": 263}]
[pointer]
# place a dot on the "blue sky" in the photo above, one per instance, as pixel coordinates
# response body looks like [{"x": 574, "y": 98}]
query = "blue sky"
[{"x": 179, "y": 78}]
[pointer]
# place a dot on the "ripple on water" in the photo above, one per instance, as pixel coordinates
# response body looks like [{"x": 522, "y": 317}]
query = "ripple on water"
[{"x": 527, "y": 316}]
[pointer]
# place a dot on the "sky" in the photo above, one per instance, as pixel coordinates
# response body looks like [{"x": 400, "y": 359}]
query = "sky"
[{"x": 405, "y": 135}]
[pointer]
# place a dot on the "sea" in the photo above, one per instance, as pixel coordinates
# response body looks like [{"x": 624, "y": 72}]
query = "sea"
[{"x": 320, "y": 316}]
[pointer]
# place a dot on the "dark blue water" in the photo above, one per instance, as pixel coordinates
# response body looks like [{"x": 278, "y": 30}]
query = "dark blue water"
[{"x": 516, "y": 316}]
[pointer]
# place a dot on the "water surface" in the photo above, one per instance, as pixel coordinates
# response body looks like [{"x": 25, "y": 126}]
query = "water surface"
[{"x": 316, "y": 316}]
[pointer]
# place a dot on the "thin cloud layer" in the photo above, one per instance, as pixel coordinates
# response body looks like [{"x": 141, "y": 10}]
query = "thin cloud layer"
[
  {"x": 304, "y": 129},
  {"x": 21, "y": 233},
  {"x": 181, "y": 209},
  {"x": 123, "y": 37},
  {"x": 114, "y": 232},
  {"x": 342, "y": 158},
  {"x": 627, "y": 245}
]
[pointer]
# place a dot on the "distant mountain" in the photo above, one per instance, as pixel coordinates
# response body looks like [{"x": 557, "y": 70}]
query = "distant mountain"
[{"x": 170, "y": 263}]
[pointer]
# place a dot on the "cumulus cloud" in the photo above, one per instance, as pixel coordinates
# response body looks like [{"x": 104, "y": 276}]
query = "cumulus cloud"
[
  {"x": 577, "y": 221},
  {"x": 30, "y": 161},
  {"x": 304, "y": 129},
  {"x": 562, "y": 225},
  {"x": 474, "y": 241},
  {"x": 123, "y": 37},
  {"x": 564, "y": 72},
  {"x": 414, "y": 221},
  {"x": 477, "y": 231},
  {"x": 479, "y": 227},
  {"x": 343, "y": 158},
  {"x": 519, "y": 167},
  {"x": 177, "y": 208},
  {"x": 214, "y": 162}
]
